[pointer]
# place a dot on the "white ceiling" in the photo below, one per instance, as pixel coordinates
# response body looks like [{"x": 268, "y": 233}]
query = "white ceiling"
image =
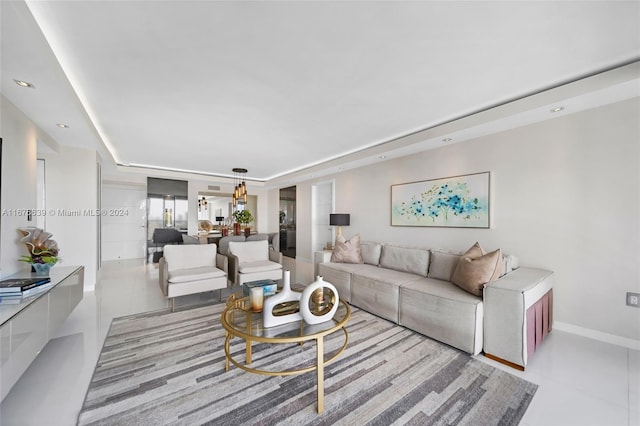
[{"x": 277, "y": 87}]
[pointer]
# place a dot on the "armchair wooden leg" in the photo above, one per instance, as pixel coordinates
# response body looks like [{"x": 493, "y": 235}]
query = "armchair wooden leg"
[{"x": 173, "y": 304}]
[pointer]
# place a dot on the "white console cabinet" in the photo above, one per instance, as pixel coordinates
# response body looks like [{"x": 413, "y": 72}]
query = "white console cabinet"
[{"x": 26, "y": 327}]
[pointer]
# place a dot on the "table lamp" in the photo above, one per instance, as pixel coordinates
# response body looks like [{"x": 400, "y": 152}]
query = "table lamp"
[{"x": 339, "y": 220}]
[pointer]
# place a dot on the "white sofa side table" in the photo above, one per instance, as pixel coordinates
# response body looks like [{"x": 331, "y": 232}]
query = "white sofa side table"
[
  {"x": 518, "y": 314},
  {"x": 320, "y": 257}
]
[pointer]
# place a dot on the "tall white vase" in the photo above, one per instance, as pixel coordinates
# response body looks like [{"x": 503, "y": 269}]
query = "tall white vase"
[
  {"x": 286, "y": 295},
  {"x": 307, "y": 315}
]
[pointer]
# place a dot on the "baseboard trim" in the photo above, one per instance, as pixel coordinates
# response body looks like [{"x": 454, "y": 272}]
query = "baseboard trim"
[{"x": 597, "y": 335}]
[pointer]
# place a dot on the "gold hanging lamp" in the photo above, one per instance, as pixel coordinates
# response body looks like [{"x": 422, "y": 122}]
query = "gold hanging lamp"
[{"x": 240, "y": 189}]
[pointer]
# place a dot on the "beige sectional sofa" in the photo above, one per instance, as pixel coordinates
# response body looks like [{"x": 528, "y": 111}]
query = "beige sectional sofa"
[{"x": 411, "y": 287}]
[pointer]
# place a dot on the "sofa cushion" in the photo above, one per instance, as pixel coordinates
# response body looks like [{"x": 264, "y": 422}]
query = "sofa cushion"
[
  {"x": 472, "y": 274},
  {"x": 339, "y": 274},
  {"x": 189, "y": 256},
  {"x": 444, "y": 312},
  {"x": 406, "y": 259},
  {"x": 346, "y": 267},
  {"x": 195, "y": 274},
  {"x": 386, "y": 275},
  {"x": 347, "y": 251},
  {"x": 250, "y": 251},
  {"x": 371, "y": 252},
  {"x": 442, "y": 264}
]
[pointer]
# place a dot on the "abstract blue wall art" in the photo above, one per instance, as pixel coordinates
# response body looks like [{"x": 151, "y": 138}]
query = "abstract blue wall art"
[{"x": 457, "y": 201}]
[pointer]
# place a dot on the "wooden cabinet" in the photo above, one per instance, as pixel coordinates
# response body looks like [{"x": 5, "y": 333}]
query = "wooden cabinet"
[{"x": 26, "y": 327}]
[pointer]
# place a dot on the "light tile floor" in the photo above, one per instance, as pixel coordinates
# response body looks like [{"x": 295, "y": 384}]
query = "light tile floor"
[{"x": 582, "y": 381}]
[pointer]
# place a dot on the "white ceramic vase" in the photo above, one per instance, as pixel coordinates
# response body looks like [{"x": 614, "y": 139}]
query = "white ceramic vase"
[
  {"x": 286, "y": 295},
  {"x": 307, "y": 314}
]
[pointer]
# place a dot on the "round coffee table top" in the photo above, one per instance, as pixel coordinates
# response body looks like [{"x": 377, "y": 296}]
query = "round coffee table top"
[{"x": 239, "y": 320}]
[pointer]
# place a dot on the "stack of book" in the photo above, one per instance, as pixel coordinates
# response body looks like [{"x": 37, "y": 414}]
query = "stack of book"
[
  {"x": 269, "y": 287},
  {"x": 14, "y": 289}
]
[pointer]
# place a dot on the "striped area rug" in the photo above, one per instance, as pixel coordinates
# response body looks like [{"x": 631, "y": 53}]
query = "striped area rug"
[{"x": 163, "y": 368}]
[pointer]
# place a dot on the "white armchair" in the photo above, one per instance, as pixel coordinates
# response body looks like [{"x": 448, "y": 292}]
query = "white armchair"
[
  {"x": 189, "y": 269},
  {"x": 253, "y": 261}
]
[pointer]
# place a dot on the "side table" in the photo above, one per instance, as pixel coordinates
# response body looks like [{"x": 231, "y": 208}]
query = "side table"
[
  {"x": 320, "y": 257},
  {"x": 518, "y": 314}
]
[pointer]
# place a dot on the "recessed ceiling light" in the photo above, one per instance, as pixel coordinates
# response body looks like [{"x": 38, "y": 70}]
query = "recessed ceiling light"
[
  {"x": 557, "y": 109},
  {"x": 22, "y": 83},
  {"x": 447, "y": 140},
  {"x": 62, "y": 125},
  {"x": 382, "y": 157}
]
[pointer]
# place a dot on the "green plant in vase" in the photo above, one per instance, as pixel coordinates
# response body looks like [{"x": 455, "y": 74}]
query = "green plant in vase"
[{"x": 243, "y": 217}]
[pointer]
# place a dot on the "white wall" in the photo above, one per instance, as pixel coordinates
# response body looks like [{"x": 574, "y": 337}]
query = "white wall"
[
  {"x": 71, "y": 186},
  {"x": 19, "y": 141},
  {"x": 565, "y": 197}
]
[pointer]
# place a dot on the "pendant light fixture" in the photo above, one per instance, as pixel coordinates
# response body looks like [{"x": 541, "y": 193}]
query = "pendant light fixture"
[
  {"x": 202, "y": 203},
  {"x": 240, "y": 190}
]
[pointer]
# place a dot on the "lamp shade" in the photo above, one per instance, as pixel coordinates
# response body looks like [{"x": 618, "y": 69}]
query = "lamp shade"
[{"x": 339, "y": 219}]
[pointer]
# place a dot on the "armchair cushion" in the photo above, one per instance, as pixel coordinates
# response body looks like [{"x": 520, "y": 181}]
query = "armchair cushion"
[
  {"x": 250, "y": 251},
  {"x": 190, "y": 256},
  {"x": 253, "y": 260},
  {"x": 193, "y": 274},
  {"x": 258, "y": 266},
  {"x": 223, "y": 244}
]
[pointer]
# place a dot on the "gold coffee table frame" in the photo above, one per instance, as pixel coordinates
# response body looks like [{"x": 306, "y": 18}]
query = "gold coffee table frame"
[{"x": 239, "y": 321}]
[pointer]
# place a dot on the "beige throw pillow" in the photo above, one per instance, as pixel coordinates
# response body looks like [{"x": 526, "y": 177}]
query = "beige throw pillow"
[
  {"x": 472, "y": 274},
  {"x": 475, "y": 251},
  {"x": 347, "y": 251}
]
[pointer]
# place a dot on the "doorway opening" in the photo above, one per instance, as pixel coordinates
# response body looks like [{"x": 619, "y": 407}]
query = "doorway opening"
[{"x": 288, "y": 221}]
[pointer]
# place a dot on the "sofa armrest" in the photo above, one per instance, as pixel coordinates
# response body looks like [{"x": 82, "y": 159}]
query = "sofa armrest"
[
  {"x": 163, "y": 266},
  {"x": 528, "y": 283},
  {"x": 275, "y": 256}
]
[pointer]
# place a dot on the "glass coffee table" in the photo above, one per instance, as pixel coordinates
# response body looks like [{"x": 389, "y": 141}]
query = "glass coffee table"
[{"x": 239, "y": 321}]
